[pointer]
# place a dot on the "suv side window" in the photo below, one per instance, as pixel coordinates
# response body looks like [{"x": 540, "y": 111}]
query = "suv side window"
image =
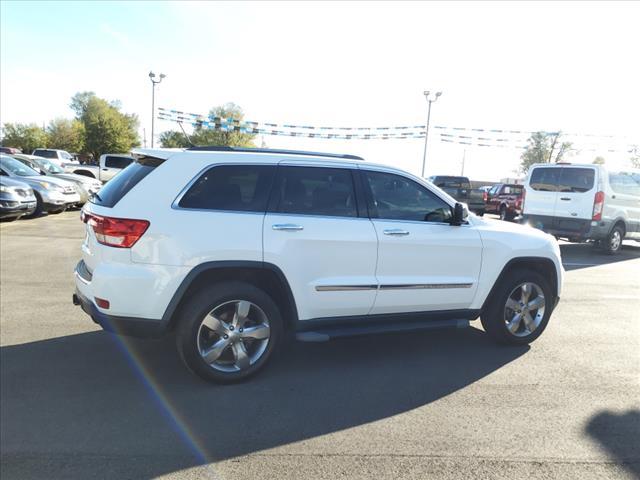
[
  {"x": 242, "y": 188},
  {"x": 398, "y": 198},
  {"x": 545, "y": 179},
  {"x": 117, "y": 162},
  {"x": 315, "y": 191},
  {"x": 625, "y": 182}
]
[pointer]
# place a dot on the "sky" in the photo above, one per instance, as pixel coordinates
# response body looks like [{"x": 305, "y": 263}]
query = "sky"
[{"x": 570, "y": 67}]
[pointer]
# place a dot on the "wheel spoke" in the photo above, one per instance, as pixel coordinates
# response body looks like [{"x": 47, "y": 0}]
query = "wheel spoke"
[
  {"x": 528, "y": 322},
  {"x": 259, "y": 332},
  {"x": 242, "y": 311},
  {"x": 525, "y": 293},
  {"x": 215, "y": 324},
  {"x": 512, "y": 304},
  {"x": 536, "y": 303},
  {"x": 242, "y": 358},
  {"x": 214, "y": 352},
  {"x": 514, "y": 324}
]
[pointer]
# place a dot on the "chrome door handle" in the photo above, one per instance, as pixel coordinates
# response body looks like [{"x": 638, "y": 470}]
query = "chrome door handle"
[
  {"x": 287, "y": 227},
  {"x": 396, "y": 232}
]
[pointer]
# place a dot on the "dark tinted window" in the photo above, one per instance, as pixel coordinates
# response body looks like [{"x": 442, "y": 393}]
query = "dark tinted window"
[
  {"x": 451, "y": 182},
  {"x": 315, "y": 191},
  {"x": 117, "y": 162},
  {"x": 576, "y": 180},
  {"x": 545, "y": 179},
  {"x": 128, "y": 178},
  {"x": 398, "y": 198},
  {"x": 243, "y": 188},
  {"x": 46, "y": 153}
]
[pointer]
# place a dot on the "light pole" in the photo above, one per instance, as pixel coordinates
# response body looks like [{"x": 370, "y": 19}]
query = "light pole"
[
  {"x": 427, "y": 94},
  {"x": 152, "y": 77}
]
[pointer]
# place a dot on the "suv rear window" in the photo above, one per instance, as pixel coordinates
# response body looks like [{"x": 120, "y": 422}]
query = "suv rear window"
[
  {"x": 241, "y": 188},
  {"x": 117, "y": 162},
  {"x": 545, "y": 179},
  {"x": 122, "y": 183},
  {"x": 46, "y": 153}
]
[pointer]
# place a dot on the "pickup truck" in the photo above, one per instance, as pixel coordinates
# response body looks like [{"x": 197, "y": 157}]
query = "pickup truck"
[
  {"x": 505, "y": 199},
  {"x": 460, "y": 189},
  {"x": 109, "y": 165}
]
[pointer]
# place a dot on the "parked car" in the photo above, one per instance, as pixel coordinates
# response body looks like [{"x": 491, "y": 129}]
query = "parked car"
[
  {"x": 233, "y": 248},
  {"x": 10, "y": 150},
  {"x": 460, "y": 189},
  {"x": 86, "y": 186},
  {"x": 584, "y": 203},
  {"x": 16, "y": 199},
  {"x": 108, "y": 167},
  {"x": 53, "y": 195},
  {"x": 61, "y": 157},
  {"x": 505, "y": 199}
]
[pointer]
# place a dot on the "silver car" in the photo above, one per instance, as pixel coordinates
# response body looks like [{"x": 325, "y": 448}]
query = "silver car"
[
  {"x": 16, "y": 199},
  {"x": 53, "y": 195},
  {"x": 86, "y": 186}
]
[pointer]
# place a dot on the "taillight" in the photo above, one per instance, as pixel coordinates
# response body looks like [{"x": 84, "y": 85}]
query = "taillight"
[
  {"x": 598, "y": 205},
  {"x": 485, "y": 196},
  {"x": 522, "y": 197},
  {"x": 116, "y": 232}
]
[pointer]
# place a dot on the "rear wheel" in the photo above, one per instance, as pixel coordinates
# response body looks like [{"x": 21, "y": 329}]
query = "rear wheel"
[
  {"x": 503, "y": 213},
  {"x": 228, "y": 332},
  {"x": 519, "y": 309},
  {"x": 613, "y": 243}
]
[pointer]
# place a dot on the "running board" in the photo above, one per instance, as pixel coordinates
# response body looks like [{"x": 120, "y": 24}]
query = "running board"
[{"x": 336, "y": 331}]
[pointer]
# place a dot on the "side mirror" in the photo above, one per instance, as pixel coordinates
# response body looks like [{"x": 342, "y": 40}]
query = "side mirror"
[{"x": 460, "y": 214}]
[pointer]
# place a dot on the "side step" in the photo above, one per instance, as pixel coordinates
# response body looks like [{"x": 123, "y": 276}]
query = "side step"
[{"x": 336, "y": 331}]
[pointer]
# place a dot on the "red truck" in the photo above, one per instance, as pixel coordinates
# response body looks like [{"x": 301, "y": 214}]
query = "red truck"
[{"x": 505, "y": 199}]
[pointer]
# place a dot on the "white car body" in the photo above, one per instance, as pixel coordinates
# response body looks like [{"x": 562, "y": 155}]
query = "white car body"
[
  {"x": 582, "y": 201},
  {"x": 109, "y": 165},
  {"x": 335, "y": 267}
]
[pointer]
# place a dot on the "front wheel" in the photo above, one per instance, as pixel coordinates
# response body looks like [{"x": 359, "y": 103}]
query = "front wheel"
[
  {"x": 519, "y": 309},
  {"x": 228, "y": 332}
]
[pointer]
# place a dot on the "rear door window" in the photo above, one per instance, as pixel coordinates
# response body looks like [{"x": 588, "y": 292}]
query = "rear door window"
[
  {"x": 239, "y": 188},
  {"x": 315, "y": 191},
  {"x": 122, "y": 183},
  {"x": 545, "y": 179},
  {"x": 576, "y": 180},
  {"x": 117, "y": 162},
  {"x": 625, "y": 182}
]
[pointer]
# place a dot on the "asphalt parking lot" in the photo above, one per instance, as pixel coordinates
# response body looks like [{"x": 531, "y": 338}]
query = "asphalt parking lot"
[{"x": 79, "y": 403}]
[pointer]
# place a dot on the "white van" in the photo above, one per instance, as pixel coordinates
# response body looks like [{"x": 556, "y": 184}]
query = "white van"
[{"x": 584, "y": 202}]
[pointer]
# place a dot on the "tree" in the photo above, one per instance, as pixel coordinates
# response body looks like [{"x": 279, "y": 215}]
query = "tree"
[
  {"x": 541, "y": 149},
  {"x": 173, "y": 139},
  {"x": 66, "y": 134},
  {"x": 106, "y": 128},
  {"x": 598, "y": 160},
  {"x": 205, "y": 136},
  {"x": 27, "y": 137}
]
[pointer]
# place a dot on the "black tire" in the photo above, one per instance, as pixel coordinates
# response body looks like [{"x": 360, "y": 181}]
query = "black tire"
[
  {"x": 613, "y": 243},
  {"x": 39, "y": 206},
  {"x": 57, "y": 211},
  {"x": 480, "y": 213},
  {"x": 493, "y": 316},
  {"x": 189, "y": 335},
  {"x": 503, "y": 213}
]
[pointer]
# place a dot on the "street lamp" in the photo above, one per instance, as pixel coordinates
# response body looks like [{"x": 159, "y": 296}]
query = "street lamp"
[
  {"x": 152, "y": 77},
  {"x": 427, "y": 95}
]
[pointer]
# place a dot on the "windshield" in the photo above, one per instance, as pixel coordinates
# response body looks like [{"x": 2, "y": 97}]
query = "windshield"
[
  {"x": 48, "y": 166},
  {"x": 16, "y": 167}
]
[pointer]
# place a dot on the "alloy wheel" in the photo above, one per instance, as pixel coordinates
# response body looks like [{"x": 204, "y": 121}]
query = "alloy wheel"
[{"x": 524, "y": 309}]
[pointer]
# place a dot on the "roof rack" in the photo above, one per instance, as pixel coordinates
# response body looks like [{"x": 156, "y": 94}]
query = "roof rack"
[{"x": 273, "y": 150}]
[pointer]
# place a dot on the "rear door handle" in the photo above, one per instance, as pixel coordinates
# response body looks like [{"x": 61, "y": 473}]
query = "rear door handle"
[
  {"x": 287, "y": 227},
  {"x": 395, "y": 232},
  {"x": 566, "y": 199}
]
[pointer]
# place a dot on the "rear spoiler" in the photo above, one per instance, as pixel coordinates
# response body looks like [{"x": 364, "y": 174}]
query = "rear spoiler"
[{"x": 158, "y": 153}]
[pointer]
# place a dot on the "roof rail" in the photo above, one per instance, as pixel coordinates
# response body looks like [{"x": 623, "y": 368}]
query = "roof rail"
[{"x": 274, "y": 150}]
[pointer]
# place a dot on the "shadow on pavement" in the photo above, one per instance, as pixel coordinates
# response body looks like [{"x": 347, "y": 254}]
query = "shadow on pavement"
[
  {"x": 69, "y": 402},
  {"x": 619, "y": 435},
  {"x": 582, "y": 255}
]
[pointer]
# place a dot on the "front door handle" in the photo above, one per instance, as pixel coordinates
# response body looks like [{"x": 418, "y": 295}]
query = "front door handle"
[
  {"x": 566, "y": 199},
  {"x": 395, "y": 232},
  {"x": 287, "y": 227}
]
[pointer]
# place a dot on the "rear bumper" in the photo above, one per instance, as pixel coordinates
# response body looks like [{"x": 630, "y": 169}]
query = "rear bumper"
[
  {"x": 575, "y": 229},
  {"x": 129, "y": 326}
]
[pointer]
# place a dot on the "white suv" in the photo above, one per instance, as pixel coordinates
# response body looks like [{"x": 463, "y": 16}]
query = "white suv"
[{"x": 234, "y": 248}]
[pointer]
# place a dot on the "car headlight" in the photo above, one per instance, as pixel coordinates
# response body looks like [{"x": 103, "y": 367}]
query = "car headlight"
[
  {"x": 4, "y": 189},
  {"x": 51, "y": 186}
]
